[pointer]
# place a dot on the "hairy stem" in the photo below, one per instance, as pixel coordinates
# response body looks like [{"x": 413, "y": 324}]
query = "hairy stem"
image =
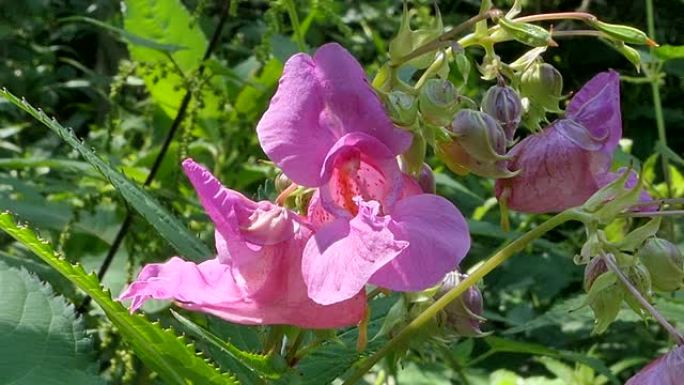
[
  {"x": 610, "y": 262},
  {"x": 490, "y": 264}
]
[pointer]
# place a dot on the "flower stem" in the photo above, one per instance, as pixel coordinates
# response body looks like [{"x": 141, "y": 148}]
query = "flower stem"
[
  {"x": 490, "y": 264},
  {"x": 649, "y": 214},
  {"x": 296, "y": 27},
  {"x": 657, "y": 104},
  {"x": 610, "y": 262},
  {"x": 557, "y": 16}
]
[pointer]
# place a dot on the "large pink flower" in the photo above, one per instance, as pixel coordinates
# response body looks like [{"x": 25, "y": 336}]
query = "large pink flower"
[
  {"x": 256, "y": 277},
  {"x": 567, "y": 162},
  {"x": 326, "y": 128},
  {"x": 319, "y": 100}
]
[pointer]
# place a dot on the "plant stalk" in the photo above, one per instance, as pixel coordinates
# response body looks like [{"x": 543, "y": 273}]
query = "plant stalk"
[
  {"x": 490, "y": 264},
  {"x": 610, "y": 262}
]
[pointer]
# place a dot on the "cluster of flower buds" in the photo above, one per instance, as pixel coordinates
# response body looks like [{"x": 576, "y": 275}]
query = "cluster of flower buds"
[{"x": 664, "y": 262}]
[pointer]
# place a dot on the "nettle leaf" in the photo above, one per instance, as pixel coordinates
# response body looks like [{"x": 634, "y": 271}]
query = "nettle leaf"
[
  {"x": 164, "y": 352},
  {"x": 41, "y": 339},
  {"x": 167, "y": 225},
  {"x": 264, "y": 365},
  {"x": 169, "y": 23}
]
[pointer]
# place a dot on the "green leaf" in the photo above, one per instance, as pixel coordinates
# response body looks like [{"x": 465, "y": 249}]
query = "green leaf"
[
  {"x": 160, "y": 349},
  {"x": 127, "y": 36},
  {"x": 264, "y": 365},
  {"x": 168, "y": 22},
  {"x": 41, "y": 340},
  {"x": 168, "y": 226}
]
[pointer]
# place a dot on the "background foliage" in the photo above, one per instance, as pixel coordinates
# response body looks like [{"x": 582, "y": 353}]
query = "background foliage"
[{"x": 118, "y": 75}]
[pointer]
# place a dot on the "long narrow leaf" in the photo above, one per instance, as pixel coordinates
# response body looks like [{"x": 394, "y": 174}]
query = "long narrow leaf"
[
  {"x": 168, "y": 226},
  {"x": 161, "y": 349}
]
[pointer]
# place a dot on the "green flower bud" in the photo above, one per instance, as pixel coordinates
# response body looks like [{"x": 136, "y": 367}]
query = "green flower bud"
[
  {"x": 411, "y": 161},
  {"x": 463, "y": 315},
  {"x": 628, "y": 52},
  {"x": 542, "y": 84},
  {"x": 605, "y": 297},
  {"x": 639, "y": 276},
  {"x": 503, "y": 103},
  {"x": 665, "y": 262},
  {"x": 478, "y": 144},
  {"x": 438, "y": 102},
  {"x": 401, "y": 107}
]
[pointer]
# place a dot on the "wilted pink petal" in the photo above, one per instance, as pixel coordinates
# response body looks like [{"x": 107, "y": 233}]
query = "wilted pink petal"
[
  {"x": 257, "y": 275},
  {"x": 319, "y": 100},
  {"x": 596, "y": 106},
  {"x": 556, "y": 172},
  {"x": 666, "y": 370},
  {"x": 567, "y": 162}
]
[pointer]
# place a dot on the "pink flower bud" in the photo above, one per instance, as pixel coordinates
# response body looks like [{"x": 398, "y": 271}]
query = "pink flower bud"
[
  {"x": 426, "y": 179},
  {"x": 463, "y": 315},
  {"x": 503, "y": 103}
]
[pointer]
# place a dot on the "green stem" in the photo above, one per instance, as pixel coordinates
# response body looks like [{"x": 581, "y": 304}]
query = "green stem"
[
  {"x": 657, "y": 104},
  {"x": 446, "y": 38},
  {"x": 294, "y": 19},
  {"x": 490, "y": 264}
]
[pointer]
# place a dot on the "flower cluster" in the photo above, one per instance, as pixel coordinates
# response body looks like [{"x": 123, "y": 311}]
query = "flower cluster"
[{"x": 367, "y": 221}]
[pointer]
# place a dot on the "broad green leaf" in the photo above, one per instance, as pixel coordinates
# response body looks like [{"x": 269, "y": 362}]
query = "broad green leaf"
[
  {"x": 167, "y": 22},
  {"x": 264, "y": 365},
  {"x": 127, "y": 36},
  {"x": 168, "y": 226},
  {"x": 41, "y": 339},
  {"x": 160, "y": 349}
]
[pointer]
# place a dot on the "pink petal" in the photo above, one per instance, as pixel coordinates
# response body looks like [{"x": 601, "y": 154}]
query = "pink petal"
[
  {"x": 597, "y": 107},
  {"x": 437, "y": 237},
  {"x": 359, "y": 165},
  {"x": 235, "y": 216},
  {"x": 340, "y": 258},
  {"x": 555, "y": 172},
  {"x": 318, "y": 101},
  {"x": 210, "y": 288}
]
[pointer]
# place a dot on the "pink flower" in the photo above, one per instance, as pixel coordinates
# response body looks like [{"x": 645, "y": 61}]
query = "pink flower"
[
  {"x": 326, "y": 128},
  {"x": 319, "y": 100},
  {"x": 567, "y": 162},
  {"x": 666, "y": 370},
  {"x": 256, "y": 277}
]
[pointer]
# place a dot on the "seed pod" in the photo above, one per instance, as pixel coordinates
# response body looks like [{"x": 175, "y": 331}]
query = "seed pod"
[
  {"x": 503, "y": 103},
  {"x": 526, "y": 33},
  {"x": 623, "y": 33},
  {"x": 665, "y": 262}
]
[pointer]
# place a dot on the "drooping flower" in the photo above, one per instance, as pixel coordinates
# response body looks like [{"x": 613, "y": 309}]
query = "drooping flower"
[
  {"x": 666, "y": 370},
  {"x": 256, "y": 277},
  {"x": 562, "y": 166},
  {"x": 326, "y": 128}
]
